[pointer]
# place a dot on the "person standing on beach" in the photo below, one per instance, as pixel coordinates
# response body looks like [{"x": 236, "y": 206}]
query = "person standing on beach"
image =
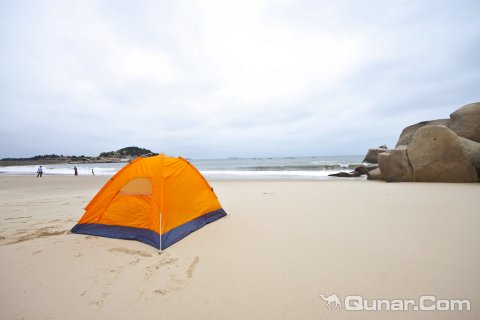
[
  {"x": 76, "y": 171},
  {"x": 93, "y": 173},
  {"x": 39, "y": 172}
]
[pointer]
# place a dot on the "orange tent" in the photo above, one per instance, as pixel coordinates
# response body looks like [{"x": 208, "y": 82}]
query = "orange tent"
[{"x": 158, "y": 201}]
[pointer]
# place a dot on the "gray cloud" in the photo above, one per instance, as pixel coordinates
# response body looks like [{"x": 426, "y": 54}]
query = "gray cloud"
[{"x": 219, "y": 79}]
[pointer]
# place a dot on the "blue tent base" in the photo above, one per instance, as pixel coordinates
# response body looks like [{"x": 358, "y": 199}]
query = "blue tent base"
[{"x": 147, "y": 236}]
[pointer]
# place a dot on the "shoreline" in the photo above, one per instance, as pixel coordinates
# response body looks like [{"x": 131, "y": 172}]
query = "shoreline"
[
  {"x": 362, "y": 178},
  {"x": 20, "y": 163},
  {"x": 304, "y": 168}
]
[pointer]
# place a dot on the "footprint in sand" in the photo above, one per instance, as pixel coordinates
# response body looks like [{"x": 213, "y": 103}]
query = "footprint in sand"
[
  {"x": 99, "y": 302},
  {"x": 40, "y": 233},
  {"x": 133, "y": 252},
  {"x": 160, "y": 291},
  {"x": 117, "y": 269},
  {"x": 173, "y": 284},
  {"x": 192, "y": 266},
  {"x": 165, "y": 261},
  {"x": 175, "y": 281},
  {"x": 17, "y": 218}
]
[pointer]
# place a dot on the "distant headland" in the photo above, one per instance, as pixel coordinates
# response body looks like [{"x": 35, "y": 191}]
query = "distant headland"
[{"x": 121, "y": 155}]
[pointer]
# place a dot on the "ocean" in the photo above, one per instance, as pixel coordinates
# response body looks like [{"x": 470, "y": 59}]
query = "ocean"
[{"x": 295, "y": 168}]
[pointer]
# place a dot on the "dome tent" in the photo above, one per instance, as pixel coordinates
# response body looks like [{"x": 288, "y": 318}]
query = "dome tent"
[{"x": 157, "y": 200}]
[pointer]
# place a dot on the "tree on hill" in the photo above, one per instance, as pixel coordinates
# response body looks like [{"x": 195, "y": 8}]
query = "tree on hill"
[
  {"x": 127, "y": 152},
  {"x": 38, "y": 157}
]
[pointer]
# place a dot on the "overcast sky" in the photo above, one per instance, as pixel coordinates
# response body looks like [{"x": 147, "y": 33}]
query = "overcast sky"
[{"x": 209, "y": 79}]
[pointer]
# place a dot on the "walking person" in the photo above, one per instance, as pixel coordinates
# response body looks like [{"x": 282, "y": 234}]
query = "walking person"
[
  {"x": 93, "y": 173},
  {"x": 39, "y": 172},
  {"x": 76, "y": 171}
]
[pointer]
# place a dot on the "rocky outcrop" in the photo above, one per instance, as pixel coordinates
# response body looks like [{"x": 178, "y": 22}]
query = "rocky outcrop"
[
  {"x": 444, "y": 150},
  {"x": 465, "y": 122},
  {"x": 375, "y": 175},
  {"x": 395, "y": 165},
  {"x": 363, "y": 170},
  {"x": 372, "y": 154},
  {"x": 438, "y": 154},
  {"x": 357, "y": 172},
  {"x": 407, "y": 134},
  {"x": 352, "y": 174}
]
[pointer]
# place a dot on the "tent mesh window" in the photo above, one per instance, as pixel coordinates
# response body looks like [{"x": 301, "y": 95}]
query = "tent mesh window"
[{"x": 137, "y": 186}]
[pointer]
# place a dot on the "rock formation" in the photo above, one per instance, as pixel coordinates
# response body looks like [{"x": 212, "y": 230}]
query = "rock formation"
[
  {"x": 438, "y": 154},
  {"x": 444, "y": 150},
  {"x": 395, "y": 165},
  {"x": 343, "y": 174},
  {"x": 357, "y": 172},
  {"x": 407, "y": 134},
  {"x": 372, "y": 154},
  {"x": 375, "y": 175},
  {"x": 466, "y": 122}
]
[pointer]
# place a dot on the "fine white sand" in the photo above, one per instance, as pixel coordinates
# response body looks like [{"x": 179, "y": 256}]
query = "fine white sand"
[{"x": 282, "y": 245}]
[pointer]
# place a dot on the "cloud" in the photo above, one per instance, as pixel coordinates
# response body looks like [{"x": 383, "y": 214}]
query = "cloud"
[{"x": 227, "y": 78}]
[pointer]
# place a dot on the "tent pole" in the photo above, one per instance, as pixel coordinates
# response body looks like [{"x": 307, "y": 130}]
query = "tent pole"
[
  {"x": 161, "y": 202},
  {"x": 160, "y": 232}
]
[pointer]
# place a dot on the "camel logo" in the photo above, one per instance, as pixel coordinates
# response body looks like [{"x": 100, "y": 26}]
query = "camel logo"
[{"x": 333, "y": 301}]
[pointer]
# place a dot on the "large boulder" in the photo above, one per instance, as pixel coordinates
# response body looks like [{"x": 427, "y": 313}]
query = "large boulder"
[
  {"x": 375, "y": 174},
  {"x": 437, "y": 154},
  {"x": 465, "y": 122},
  {"x": 472, "y": 150},
  {"x": 372, "y": 154},
  {"x": 395, "y": 165},
  {"x": 363, "y": 170},
  {"x": 407, "y": 134}
]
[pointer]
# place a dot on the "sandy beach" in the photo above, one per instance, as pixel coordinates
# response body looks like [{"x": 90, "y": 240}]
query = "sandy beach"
[{"x": 282, "y": 244}]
